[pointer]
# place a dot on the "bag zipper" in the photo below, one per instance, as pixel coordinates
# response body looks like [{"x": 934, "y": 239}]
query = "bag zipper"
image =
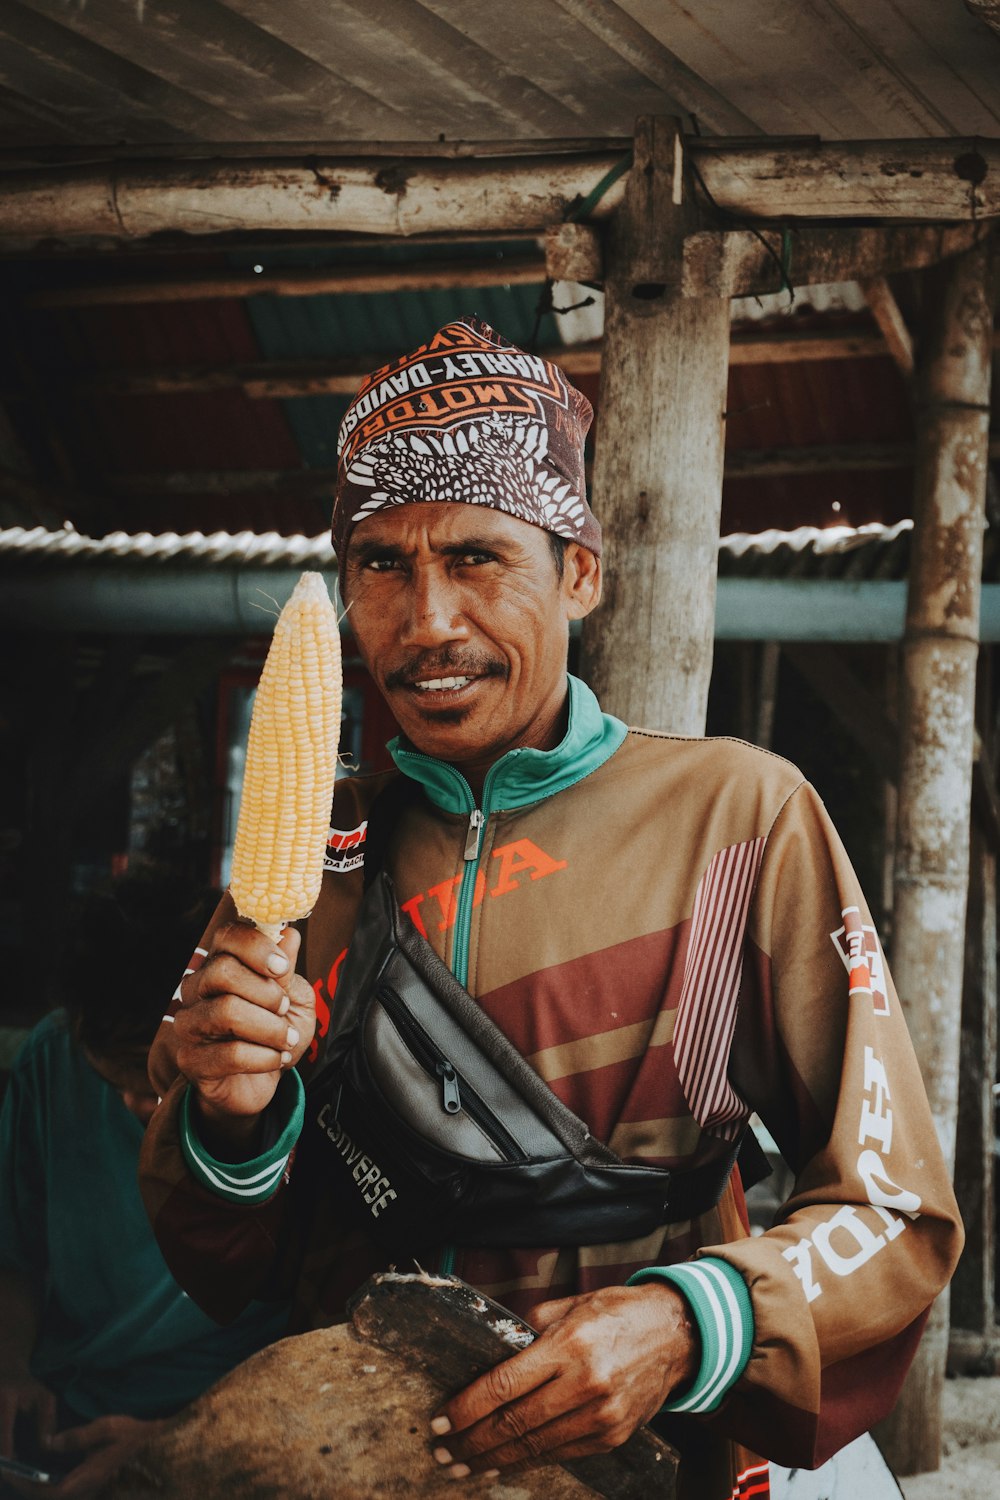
[{"x": 456, "y": 1093}]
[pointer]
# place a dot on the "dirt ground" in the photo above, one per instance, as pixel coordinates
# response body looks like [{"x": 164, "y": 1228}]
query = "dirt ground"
[{"x": 970, "y": 1466}]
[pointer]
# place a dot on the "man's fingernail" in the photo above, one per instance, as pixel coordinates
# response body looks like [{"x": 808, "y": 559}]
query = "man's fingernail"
[
  {"x": 442, "y": 1455},
  {"x": 440, "y": 1425},
  {"x": 292, "y": 1036},
  {"x": 277, "y": 963},
  {"x": 459, "y": 1471},
  {"x": 285, "y": 1003},
  {"x": 286, "y": 1057},
  {"x": 491, "y": 1474}
]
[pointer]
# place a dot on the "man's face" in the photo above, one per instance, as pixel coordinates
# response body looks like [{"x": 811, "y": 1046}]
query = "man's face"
[{"x": 462, "y": 620}]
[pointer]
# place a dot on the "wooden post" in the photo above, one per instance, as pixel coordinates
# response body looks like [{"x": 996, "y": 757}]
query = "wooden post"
[
  {"x": 973, "y": 1291},
  {"x": 647, "y": 652},
  {"x": 940, "y": 649},
  {"x": 770, "y": 661}
]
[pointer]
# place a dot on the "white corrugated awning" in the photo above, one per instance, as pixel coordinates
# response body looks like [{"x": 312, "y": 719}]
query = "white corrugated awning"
[{"x": 232, "y": 583}]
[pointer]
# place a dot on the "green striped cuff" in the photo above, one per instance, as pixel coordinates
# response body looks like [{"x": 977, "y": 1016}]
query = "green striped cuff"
[
  {"x": 248, "y": 1182},
  {"x": 720, "y": 1303}
]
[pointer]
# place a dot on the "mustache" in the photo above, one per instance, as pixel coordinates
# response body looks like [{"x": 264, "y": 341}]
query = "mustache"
[{"x": 445, "y": 664}]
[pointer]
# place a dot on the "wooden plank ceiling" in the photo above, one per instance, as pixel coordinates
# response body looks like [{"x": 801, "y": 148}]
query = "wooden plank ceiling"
[{"x": 162, "y": 72}]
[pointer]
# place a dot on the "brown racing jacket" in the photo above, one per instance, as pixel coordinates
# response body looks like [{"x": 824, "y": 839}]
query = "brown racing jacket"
[{"x": 669, "y": 930}]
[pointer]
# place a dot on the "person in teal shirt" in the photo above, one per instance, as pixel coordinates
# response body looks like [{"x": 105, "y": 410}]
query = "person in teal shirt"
[{"x": 98, "y": 1338}]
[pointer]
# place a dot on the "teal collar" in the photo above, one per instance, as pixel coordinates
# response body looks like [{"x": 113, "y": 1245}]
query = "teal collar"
[{"x": 522, "y": 776}]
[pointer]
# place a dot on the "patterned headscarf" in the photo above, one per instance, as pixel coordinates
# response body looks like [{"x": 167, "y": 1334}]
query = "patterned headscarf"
[{"x": 467, "y": 417}]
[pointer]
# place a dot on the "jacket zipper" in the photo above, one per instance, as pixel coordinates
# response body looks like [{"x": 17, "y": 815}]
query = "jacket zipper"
[
  {"x": 467, "y": 890},
  {"x": 456, "y": 1092},
  {"x": 463, "y": 916}
]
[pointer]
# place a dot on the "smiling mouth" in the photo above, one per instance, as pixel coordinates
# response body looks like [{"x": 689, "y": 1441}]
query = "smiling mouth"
[
  {"x": 442, "y": 675},
  {"x": 442, "y": 684}
]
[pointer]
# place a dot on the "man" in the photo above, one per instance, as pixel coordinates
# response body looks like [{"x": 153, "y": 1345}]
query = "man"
[
  {"x": 99, "y": 1342},
  {"x": 667, "y": 929}
]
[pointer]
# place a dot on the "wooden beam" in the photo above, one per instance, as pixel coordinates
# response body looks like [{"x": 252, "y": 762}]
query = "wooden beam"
[
  {"x": 269, "y": 380},
  {"x": 770, "y": 665},
  {"x": 390, "y": 197},
  {"x": 885, "y": 310},
  {"x": 986, "y": 10},
  {"x": 985, "y": 795},
  {"x": 317, "y": 484},
  {"x": 741, "y": 263},
  {"x": 575, "y": 252},
  {"x": 27, "y": 156},
  {"x": 300, "y": 281},
  {"x": 918, "y": 180},
  {"x": 939, "y": 655},
  {"x": 719, "y": 263},
  {"x": 647, "y": 651},
  {"x": 274, "y": 379},
  {"x": 973, "y": 1288},
  {"x": 925, "y": 181},
  {"x": 772, "y": 463},
  {"x": 769, "y": 463},
  {"x": 781, "y": 347}
]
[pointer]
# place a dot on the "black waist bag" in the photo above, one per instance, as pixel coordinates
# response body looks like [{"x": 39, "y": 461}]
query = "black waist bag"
[{"x": 437, "y": 1131}]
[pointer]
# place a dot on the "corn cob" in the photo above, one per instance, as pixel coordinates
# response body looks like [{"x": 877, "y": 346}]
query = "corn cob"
[{"x": 291, "y": 764}]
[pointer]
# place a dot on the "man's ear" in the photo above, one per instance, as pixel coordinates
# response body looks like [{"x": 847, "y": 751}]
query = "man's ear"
[{"x": 581, "y": 581}]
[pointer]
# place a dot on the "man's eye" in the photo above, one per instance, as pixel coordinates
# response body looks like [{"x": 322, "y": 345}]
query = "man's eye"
[
  {"x": 382, "y": 564},
  {"x": 476, "y": 558}
]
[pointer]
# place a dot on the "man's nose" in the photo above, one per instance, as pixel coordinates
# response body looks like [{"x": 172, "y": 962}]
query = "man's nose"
[{"x": 435, "y": 614}]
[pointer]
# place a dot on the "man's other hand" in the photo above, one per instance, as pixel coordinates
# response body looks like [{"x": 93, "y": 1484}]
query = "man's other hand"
[
  {"x": 100, "y": 1448},
  {"x": 21, "y": 1395},
  {"x": 604, "y": 1363}
]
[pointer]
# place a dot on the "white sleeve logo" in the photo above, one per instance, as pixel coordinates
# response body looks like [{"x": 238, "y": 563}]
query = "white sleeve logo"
[
  {"x": 859, "y": 949},
  {"x": 846, "y": 1241}
]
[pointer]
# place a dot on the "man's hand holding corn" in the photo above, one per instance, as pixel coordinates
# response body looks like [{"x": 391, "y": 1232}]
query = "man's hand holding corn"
[{"x": 245, "y": 1016}]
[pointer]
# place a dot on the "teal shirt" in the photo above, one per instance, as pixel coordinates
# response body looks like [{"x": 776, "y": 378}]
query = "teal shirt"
[{"x": 116, "y": 1334}]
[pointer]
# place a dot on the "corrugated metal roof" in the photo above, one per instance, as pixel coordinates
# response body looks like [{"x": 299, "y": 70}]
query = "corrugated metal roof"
[
  {"x": 248, "y": 548},
  {"x": 146, "y": 71},
  {"x": 811, "y": 584},
  {"x": 834, "y": 551}
]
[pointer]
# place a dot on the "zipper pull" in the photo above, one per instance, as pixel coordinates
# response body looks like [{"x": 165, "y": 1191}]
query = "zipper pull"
[
  {"x": 451, "y": 1099},
  {"x": 476, "y": 821}
]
